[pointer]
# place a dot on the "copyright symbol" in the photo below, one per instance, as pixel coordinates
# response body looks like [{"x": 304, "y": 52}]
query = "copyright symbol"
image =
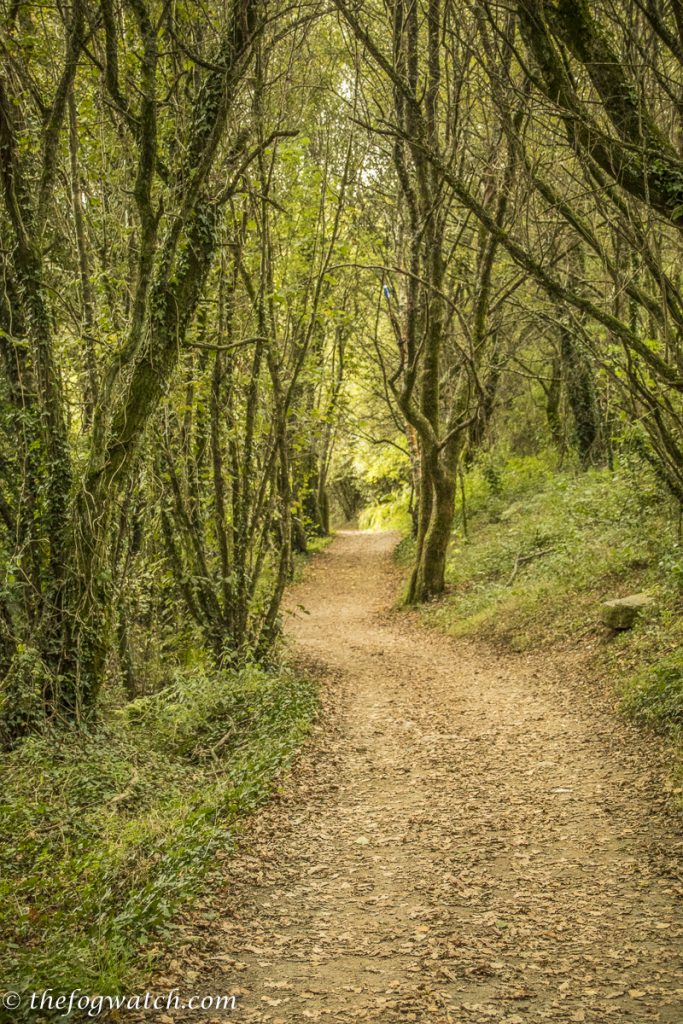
[{"x": 11, "y": 1000}]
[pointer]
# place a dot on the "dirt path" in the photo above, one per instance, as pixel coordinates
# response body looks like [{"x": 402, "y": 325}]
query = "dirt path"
[{"x": 466, "y": 840}]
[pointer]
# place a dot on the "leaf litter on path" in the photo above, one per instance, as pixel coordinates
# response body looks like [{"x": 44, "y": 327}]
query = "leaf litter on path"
[{"x": 467, "y": 837}]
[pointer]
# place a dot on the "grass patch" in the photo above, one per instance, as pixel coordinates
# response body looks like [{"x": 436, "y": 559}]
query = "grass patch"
[{"x": 108, "y": 834}]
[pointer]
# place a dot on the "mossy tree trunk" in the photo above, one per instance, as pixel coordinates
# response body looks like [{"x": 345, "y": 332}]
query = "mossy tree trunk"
[{"x": 72, "y": 585}]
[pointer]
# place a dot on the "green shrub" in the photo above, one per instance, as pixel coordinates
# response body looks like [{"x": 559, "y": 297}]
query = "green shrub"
[
  {"x": 391, "y": 513},
  {"x": 496, "y": 481},
  {"x": 655, "y": 695}
]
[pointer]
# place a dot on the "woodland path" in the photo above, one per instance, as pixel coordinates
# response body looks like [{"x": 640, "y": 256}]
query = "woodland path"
[{"x": 467, "y": 838}]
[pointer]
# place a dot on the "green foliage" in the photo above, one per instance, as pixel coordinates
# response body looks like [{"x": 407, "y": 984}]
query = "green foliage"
[
  {"x": 108, "y": 832},
  {"x": 390, "y": 513},
  {"x": 381, "y": 466},
  {"x": 21, "y": 706},
  {"x": 655, "y": 695},
  {"x": 497, "y": 480}
]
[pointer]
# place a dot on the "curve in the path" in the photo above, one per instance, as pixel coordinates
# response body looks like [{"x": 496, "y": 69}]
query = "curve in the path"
[{"x": 465, "y": 839}]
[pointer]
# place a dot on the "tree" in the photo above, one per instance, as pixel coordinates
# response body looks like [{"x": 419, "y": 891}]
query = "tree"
[{"x": 60, "y": 522}]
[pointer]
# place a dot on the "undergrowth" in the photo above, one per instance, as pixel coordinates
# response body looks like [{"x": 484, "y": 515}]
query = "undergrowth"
[
  {"x": 388, "y": 513},
  {"x": 544, "y": 548},
  {"x": 107, "y": 833}
]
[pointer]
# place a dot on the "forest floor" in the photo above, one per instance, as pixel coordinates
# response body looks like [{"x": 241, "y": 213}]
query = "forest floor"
[{"x": 468, "y": 836}]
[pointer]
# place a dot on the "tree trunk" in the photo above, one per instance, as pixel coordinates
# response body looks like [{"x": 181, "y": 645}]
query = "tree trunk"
[
  {"x": 429, "y": 573},
  {"x": 581, "y": 397}
]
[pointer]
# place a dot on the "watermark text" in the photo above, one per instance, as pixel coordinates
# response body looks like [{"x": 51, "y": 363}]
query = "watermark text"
[{"x": 66, "y": 1003}]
